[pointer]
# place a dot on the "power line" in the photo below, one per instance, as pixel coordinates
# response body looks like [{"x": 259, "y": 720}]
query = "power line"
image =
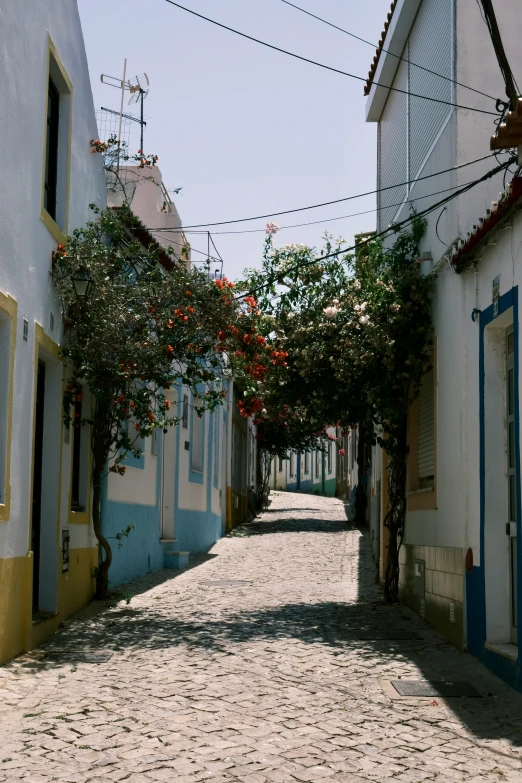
[
  {"x": 194, "y": 250},
  {"x": 335, "y": 201},
  {"x": 341, "y": 217},
  {"x": 327, "y": 67},
  {"x": 398, "y": 57},
  {"x": 391, "y": 229},
  {"x": 496, "y": 39}
]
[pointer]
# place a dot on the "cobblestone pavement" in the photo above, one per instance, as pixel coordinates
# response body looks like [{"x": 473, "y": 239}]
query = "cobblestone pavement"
[{"x": 247, "y": 667}]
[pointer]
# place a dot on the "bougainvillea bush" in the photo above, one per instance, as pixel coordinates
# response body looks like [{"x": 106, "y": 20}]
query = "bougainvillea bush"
[
  {"x": 147, "y": 324},
  {"x": 357, "y": 332}
]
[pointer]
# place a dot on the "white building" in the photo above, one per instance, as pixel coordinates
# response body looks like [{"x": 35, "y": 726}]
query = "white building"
[
  {"x": 459, "y": 558},
  {"x": 46, "y": 121}
]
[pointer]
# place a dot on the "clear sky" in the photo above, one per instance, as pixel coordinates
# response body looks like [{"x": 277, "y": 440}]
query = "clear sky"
[{"x": 242, "y": 129}]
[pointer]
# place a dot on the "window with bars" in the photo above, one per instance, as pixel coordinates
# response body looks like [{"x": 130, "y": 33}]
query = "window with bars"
[{"x": 307, "y": 462}]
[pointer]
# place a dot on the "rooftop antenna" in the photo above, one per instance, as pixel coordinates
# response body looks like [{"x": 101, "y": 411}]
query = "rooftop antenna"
[
  {"x": 139, "y": 89},
  {"x": 112, "y": 81}
]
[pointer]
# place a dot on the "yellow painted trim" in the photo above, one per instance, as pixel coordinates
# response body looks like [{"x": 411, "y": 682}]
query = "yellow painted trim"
[
  {"x": 54, "y": 229},
  {"x": 42, "y": 339},
  {"x": 9, "y": 306}
]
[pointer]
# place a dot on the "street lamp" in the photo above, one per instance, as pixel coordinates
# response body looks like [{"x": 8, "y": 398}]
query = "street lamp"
[{"x": 82, "y": 282}]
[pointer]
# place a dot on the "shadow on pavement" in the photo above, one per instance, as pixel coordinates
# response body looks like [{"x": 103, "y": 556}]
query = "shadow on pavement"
[{"x": 329, "y": 624}]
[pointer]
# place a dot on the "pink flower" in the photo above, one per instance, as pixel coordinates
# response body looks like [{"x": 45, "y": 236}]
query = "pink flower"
[
  {"x": 272, "y": 228},
  {"x": 342, "y": 452}
]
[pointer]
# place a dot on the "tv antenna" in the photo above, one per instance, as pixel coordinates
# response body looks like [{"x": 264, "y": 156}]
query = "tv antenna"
[{"x": 138, "y": 87}]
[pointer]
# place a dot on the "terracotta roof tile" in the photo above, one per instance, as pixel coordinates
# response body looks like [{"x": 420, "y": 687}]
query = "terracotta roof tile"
[
  {"x": 373, "y": 68},
  {"x": 510, "y": 200}
]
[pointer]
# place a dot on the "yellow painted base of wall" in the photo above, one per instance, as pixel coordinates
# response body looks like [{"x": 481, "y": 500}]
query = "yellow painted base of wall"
[
  {"x": 14, "y": 573},
  {"x": 444, "y": 583},
  {"x": 18, "y": 634},
  {"x": 236, "y": 514}
]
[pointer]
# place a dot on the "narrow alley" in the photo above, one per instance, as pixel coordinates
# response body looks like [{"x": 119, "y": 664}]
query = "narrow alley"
[{"x": 266, "y": 660}]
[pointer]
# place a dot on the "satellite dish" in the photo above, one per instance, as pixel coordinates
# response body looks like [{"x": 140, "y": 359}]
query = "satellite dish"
[{"x": 138, "y": 87}]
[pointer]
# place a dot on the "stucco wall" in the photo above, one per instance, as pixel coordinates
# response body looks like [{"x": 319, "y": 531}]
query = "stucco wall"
[{"x": 26, "y": 244}]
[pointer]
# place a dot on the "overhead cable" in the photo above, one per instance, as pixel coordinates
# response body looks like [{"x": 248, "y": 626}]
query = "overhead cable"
[
  {"x": 387, "y": 51},
  {"x": 395, "y": 228},
  {"x": 335, "y": 201},
  {"x": 328, "y": 67}
]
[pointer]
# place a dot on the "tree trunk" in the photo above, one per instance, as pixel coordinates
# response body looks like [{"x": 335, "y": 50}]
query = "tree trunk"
[
  {"x": 360, "y": 492},
  {"x": 101, "y": 431},
  {"x": 396, "y": 514}
]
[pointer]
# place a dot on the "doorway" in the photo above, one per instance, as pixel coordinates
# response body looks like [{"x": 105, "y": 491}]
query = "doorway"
[
  {"x": 511, "y": 526},
  {"x": 36, "y": 529}
]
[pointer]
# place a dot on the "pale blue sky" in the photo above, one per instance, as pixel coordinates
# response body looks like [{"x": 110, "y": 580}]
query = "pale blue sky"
[{"x": 245, "y": 130}]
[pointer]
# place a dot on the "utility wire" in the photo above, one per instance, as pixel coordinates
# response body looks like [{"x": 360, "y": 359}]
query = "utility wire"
[
  {"x": 496, "y": 39},
  {"x": 398, "y": 57},
  {"x": 341, "y": 217},
  {"x": 335, "y": 201},
  {"x": 391, "y": 229},
  {"x": 328, "y": 67}
]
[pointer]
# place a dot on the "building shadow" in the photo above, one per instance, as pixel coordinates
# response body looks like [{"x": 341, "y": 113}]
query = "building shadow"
[{"x": 350, "y": 631}]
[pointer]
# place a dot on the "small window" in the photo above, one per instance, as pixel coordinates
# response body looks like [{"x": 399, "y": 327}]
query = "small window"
[
  {"x": 317, "y": 464},
  {"x": 426, "y": 433},
  {"x": 51, "y": 148},
  {"x": 292, "y": 460},
  {"x": 185, "y": 412},
  {"x": 280, "y": 465},
  {"x": 56, "y": 147},
  {"x": 307, "y": 462},
  {"x": 329, "y": 455},
  {"x": 80, "y": 455},
  {"x": 216, "y": 446},
  {"x": 154, "y": 441},
  {"x": 197, "y": 452}
]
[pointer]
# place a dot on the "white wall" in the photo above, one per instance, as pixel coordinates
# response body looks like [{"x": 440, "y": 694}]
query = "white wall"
[{"x": 25, "y": 242}]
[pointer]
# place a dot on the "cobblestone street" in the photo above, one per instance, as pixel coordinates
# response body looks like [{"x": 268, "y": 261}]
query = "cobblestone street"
[{"x": 248, "y": 667}]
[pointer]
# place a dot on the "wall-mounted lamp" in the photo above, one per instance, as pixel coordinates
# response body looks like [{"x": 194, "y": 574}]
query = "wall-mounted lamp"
[
  {"x": 82, "y": 282},
  {"x": 475, "y": 314}
]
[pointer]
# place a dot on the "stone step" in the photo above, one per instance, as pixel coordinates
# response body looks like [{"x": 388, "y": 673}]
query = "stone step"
[{"x": 176, "y": 560}]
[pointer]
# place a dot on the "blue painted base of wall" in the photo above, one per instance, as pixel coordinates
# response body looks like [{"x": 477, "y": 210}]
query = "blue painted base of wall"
[
  {"x": 506, "y": 669},
  {"x": 141, "y": 552},
  {"x": 197, "y": 531}
]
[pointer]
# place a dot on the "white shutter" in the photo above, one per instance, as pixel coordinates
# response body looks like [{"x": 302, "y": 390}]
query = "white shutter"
[
  {"x": 393, "y": 149},
  {"x": 430, "y": 45},
  {"x": 426, "y": 432}
]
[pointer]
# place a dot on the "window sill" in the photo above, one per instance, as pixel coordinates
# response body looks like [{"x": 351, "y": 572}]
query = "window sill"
[
  {"x": 420, "y": 491},
  {"x": 52, "y": 227},
  {"x": 506, "y": 650}
]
